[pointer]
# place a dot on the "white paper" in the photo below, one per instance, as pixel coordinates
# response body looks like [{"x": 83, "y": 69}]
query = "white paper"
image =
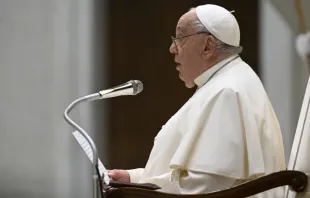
[{"x": 86, "y": 147}]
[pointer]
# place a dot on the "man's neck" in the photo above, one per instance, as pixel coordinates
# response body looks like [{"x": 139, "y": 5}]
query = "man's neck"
[
  {"x": 214, "y": 61},
  {"x": 216, "y": 66}
]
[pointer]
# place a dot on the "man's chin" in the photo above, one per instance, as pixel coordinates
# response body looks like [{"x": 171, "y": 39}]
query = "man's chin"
[{"x": 189, "y": 85}]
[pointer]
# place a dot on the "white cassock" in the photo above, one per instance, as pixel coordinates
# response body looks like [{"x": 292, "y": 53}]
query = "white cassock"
[{"x": 227, "y": 133}]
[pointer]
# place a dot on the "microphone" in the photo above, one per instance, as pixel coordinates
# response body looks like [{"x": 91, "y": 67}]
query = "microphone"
[{"x": 132, "y": 87}]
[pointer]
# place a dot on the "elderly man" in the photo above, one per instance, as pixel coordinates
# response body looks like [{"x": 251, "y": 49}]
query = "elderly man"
[{"x": 227, "y": 132}]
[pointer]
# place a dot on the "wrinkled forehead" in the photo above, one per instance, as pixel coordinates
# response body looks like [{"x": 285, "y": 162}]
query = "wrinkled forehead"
[{"x": 184, "y": 24}]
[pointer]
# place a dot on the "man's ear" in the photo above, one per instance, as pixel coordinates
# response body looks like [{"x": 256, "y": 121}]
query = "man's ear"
[{"x": 209, "y": 45}]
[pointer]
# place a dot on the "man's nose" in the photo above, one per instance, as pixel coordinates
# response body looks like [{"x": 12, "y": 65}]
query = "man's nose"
[{"x": 173, "y": 48}]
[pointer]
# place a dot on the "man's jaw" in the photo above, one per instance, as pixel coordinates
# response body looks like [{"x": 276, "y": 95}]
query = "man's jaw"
[{"x": 186, "y": 82}]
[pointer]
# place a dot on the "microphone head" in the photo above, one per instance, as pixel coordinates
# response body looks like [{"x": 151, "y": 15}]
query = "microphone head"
[{"x": 137, "y": 86}]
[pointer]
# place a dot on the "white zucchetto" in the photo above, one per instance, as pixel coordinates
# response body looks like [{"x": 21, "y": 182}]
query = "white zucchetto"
[{"x": 220, "y": 22}]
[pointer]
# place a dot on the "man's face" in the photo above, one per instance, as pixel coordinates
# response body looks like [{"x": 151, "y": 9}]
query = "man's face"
[{"x": 188, "y": 51}]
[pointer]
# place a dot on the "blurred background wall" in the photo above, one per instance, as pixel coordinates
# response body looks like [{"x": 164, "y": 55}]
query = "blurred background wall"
[
  {"x": 54, "y": 51},
  {"x": 283, "y": 73},
  {"x": 47, "y": 59}
]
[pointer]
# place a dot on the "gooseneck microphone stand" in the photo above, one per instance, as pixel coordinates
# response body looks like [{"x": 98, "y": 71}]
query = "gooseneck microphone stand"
[
  {"x": 132, "y": 87},
  {"x": 96, "y": 174}
]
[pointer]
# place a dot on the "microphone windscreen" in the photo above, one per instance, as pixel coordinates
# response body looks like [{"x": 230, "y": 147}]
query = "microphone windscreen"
[{"x": 137, "y": 86}]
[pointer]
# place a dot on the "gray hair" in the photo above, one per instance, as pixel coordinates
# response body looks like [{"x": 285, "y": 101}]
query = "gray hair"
[{"x": 221, "y": 47}]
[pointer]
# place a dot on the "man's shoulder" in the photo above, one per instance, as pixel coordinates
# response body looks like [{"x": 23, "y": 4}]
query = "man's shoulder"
[
  {"x": 240, "y": 78},
  {"x": 230, "y": 87},
  {"x": 208, "y": 95},
  {"x": 220, "y": 86}
]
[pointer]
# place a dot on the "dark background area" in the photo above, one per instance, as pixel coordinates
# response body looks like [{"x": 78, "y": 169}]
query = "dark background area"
[{"x": 139, "y": 38}]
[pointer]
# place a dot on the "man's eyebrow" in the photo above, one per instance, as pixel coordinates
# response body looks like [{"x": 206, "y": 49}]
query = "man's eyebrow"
[{"x": 180, "y": 31}]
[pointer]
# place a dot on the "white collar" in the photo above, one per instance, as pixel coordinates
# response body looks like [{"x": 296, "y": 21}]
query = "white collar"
[{"x": 205, "y": 76}]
